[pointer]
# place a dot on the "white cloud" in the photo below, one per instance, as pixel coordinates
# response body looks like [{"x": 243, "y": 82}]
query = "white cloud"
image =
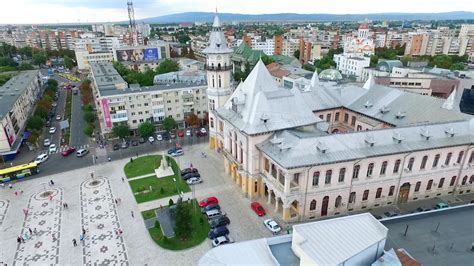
[{"x": 42, "y": 11}]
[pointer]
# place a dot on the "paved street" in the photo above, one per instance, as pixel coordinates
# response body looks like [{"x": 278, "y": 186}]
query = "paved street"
[{"x": 78, "y": 138}]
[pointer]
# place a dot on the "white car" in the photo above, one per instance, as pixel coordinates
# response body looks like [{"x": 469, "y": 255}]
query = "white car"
[
  {"x": 46, "y": 142},
  {"x": 194, "y": 180},
  {"x": 272, "y": 226},
  {"x": 188, "y": 132},
  {"x": 203, "y": 130},
  {"x": 53, "y": 148},
  {"x": 54, "y": 104},
  {"x": 52, "y": 130},
  {"x": 221, "y": 240},
  {"x": 58, "y": 117},
  {"x": 41, "y": 158},
  {"x": 177, "y": 153},
  {"x": 151, "y": 139},
  {"x": 159, "y": 137}
]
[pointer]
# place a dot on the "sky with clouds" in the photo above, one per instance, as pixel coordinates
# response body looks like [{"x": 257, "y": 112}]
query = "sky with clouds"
[{"x": 60, "y": 11}]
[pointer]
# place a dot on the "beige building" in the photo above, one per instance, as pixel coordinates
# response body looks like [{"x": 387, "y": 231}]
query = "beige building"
[
  {"x": 17, "y": 100},
  {"x": 328, "y": 149},
  {"x": 118, "y": 102}
]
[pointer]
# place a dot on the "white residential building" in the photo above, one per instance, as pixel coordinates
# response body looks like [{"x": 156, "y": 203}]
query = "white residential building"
[{"x": 351, "y": 65}]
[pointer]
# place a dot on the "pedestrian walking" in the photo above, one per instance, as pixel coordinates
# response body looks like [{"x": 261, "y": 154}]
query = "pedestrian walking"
[
  {"x": 16, "y": 193},
  {"x": 26, "y": 236},
  {"x": 31, "y": 231},
  {"x": 74, "y": 242},
  {"x": 10, "y": 186},
  {"x": 136, "y": 154},
  {"x": 50, "y": 197},
  {"x": 132, "y": 214},
  {"x": 22, "y": 239},
  {"x": 34, "y": 230},
  {"x": 116, "y": 201},
  {"x": 123, "y": 180},
  {"x": 18, "y": 239},
  {"x": 120, "y": 232},
  {"x": 83, "y": 231},
  {"x": 51, "y": 182}
]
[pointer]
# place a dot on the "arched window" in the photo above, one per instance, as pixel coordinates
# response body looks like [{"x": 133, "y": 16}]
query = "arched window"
[
  {"x": 338, "y": 202},
  {"x": 316, "y": 178},
  {"x": 352, "y": 197},
  {"x": 460, "y": 155},
  {"x": 471, "y": 179},
  {"x": 453, "y": 181},
  {"x": 423, "y": 162},
  {"x": 391, "y": 191},
  {"x": 396, "y": 166},
  {"x": 370, "y": 169},
  {"x": 383, "y": 168},
  {"x": 417, "y": 186},
  {"x": 355, "y": 172},
  {"x": 448, "y": 158},
  {"x": 212, "y": 122},
  {"x": 312, "y": 205},
  {"x": 410, "y": 163},
  {"x": 378, "y": 194},
  {"x": 464, "y": 180},
  {"x": 441, "y": 183},
  {"x": 365, "y": 196},
  {"x": 430, "y": 184},
  {"x": 219, "y": 66},
  {"x": 213, "y": 82},
  {"x": 436, "y": 160},
  {"x": 328, "y": 177},
  {"x": 342, "y": 173},
  {"x": 220, "y": 82}
]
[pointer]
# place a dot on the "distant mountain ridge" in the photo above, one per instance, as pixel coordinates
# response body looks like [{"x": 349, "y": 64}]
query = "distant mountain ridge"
[{"x": 228, "y": 17}]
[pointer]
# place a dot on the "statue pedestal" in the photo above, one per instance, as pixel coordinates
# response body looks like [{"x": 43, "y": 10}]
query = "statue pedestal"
[{"x": 164, "y": 169}]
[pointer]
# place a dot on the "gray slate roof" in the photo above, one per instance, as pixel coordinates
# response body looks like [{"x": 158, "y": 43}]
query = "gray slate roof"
[
  {"x": 14, "y": 88},
  {"x": 300, "y": 151}
]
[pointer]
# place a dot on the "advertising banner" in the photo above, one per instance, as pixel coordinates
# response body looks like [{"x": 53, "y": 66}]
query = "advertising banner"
[
  {"x": 138, "y": 55},
  {"x": 105, "y": 109},
  {"x": 151, "y": 54}
]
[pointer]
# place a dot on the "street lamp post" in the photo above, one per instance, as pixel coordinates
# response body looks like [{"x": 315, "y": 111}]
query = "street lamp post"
[{"x": 177, "y": 188}]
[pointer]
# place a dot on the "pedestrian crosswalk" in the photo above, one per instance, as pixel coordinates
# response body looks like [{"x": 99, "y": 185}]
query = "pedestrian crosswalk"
[{"x": 64, "y": 148}]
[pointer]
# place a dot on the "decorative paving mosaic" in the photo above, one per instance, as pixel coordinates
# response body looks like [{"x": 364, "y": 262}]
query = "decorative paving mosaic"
[
  {"x": 3, "y": 210},
  {"x": 43, "y": 217},
  {"x": 103, "y": 244}
]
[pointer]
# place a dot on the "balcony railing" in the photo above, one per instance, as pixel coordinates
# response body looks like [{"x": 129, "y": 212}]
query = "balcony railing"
[{"x": 217, "y": 68}]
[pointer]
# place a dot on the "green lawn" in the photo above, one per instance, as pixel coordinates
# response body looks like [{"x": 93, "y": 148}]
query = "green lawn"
[
  {"x": 196, "y": 236},
  {"x": 167, "y": 183},
  {"x": 149, "y": 214},
  {"x": 145, "y": 165}
]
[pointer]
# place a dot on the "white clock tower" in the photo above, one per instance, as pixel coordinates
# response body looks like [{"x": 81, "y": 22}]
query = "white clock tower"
[{"x": 218, "y": 66}]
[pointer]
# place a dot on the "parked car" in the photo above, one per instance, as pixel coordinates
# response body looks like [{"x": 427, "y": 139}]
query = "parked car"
[
  {"x": 223, "y": 220},
  {"x": 159, "y": 137},
  {"x": 172, "y": 135},
  {"x": 82, "y": 152},
  {"x": 211, "y": 207},
  {"x": 134, "y": 143},
  {"x": 141, "y": 140},
  {"x": 390, "y": 214},
  {"x": 48, "y": 123},
  {"x": 41, "y": 158},
  {"x": 181, "y": 134},
  {"x": 441, "y": 205},
  {"x": 218, "y": 231},
  {"x": 53, "y": 148},
  {"x": 420, "y": 209},
  {"x": 188, "y": 170},
  {"x": 203, "y": 130},
  {"x": 221, "y": 240},
  {"x": 68, "y": 151},
  {"x": 58, "y": 117},
  {"x": 124, "y": 145},
  {"x": 272, "y": 226},
  {"x": 54, "y": 104},
  {"x": 191, "y": 175},
  {"x": 172, "y": 150},
  {"x": 200, "y": 134},
  {"x": 166, "y": 136},
  {"x": 194, "y": 180},
  {"x": 116, "y": 147},
  {"x": 46, "y": 142},
  {"x": 208, "y": 201},
  {"x": 52, "y": 130},
  {"x": 177, "y": 153},
  {"x": 151, "y": 139},
  {"x": 188, "y": 133},
  {"x": 257, "y": 208}
]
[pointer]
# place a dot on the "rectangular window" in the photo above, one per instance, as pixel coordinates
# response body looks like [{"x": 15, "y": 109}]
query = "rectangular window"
[
  {"x": 328, "y": 177},
  {"x": 441, "y": 183},
  {"x": 430, "y": 183},
  {"x": 391, "y": 191},
  {"x": 352, "y": 197},
  {"x": 342, "y": 174},
  {"x": 370, "y": 169},
  {"x": 396, "y": 166},
  {"x": 448, "y": 158},
  {"x": 423, "y": 162},
  {"x": 315, "y": 179},
  {"x": 417, "y": 186},
  {"x": 296, "y": 178},
  {"x": 336, "y": 116},
  {"x": 460, "y": 155},
  {"x": 365, "y": 196},
  {"x": 328, "y": 118},
  {"x": 266, "y": 164},
  {"x": 383, "y": 168},
  {"x": 355, "y": 172},
  {"x": 410, "y": 163},
  {"x": 346, "y": 118},
  {"x": 353, "y": 120},
  {"x": 436, "y": 160}
]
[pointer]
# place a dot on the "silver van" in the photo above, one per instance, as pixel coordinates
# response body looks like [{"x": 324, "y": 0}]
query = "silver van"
[{"x": 81, "y": 152}]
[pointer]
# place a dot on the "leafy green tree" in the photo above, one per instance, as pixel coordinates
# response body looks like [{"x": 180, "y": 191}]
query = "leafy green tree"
[
  {"x": 7, "y": 61},
  {"x": 183, "y": 225},
  {"x": 168, "y": 123},
  {"x": 121, "y": 130},
  {"x": 52, "y": 82},
  {"x": 167, "y": 66},
  {"x": 68, "y": 62},
  {"x": 457, "y": 66},
  {"x": 146, "y": 129},
  {"x": 4, "y": 79},
  {"x": 183, "y": 38},
  {"x": 88, "y": 130},
  {"x": 25, "y": 66},
  {"x": 309, "y": 67},
  {"x": 38, "y": 59},
  {"x": 297, "y": 54},
  {"x": 267, "y": 60},
  {"x": 87, "y": 108},
  {"x": 41, "y": 112},
  {"x": 34, "y": 123},
  {"x": 374, "y": 60},
  {"x": 89, "y": 117}
]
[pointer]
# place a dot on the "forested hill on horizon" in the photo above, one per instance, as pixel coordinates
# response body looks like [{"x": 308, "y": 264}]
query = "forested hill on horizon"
[{"x": 208, "y": 16}]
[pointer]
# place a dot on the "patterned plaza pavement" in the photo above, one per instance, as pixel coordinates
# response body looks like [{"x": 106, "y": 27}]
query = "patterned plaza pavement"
[
  {"x": 103, "y": 242},
  {"x": 3, "y": 209},
  {"x": 40, "y": 233}
]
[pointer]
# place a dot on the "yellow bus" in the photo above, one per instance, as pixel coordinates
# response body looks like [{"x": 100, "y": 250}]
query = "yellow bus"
[{"x": 18, "y": 172}]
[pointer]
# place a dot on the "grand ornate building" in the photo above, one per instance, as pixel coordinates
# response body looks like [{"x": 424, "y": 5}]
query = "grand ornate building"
[{"x": 323, "y": 148}]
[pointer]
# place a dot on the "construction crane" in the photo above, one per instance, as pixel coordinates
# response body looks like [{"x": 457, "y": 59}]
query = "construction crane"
[{"x": 133, "y": 37}]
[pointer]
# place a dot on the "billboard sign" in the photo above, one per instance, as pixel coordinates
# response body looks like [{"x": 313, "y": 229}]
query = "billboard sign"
[
  {"x": 138, "y": 55},
  {"x": 105, "y": 108}
]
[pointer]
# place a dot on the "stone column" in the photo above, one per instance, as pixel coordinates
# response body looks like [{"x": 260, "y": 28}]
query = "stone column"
[
  {"x": 269, "y": 196},
  {"x": 287, "y": 188},
  {"x": 286, "y": 214},
  {"x": 276, "y": 203}
]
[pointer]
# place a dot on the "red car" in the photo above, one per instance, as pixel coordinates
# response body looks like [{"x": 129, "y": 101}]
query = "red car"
[
  {"x": 68, "y": 151},
  {"x": 181, "y": 134},
  {"x": 205, "y": 202},
  {"x": 257, "y": 208}
]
